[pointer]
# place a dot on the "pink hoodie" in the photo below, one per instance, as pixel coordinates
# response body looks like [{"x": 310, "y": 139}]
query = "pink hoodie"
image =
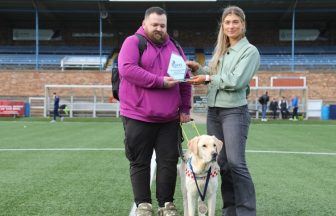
[{"x": 142, "y": 96}]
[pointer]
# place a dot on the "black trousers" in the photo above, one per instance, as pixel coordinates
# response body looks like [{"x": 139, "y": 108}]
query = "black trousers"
[
  {"x": 56, "y": 113},
  {"x": 274, "y": 113},
  {"x": 141, "y": 138},
  {"x": 284, "y": 113},
  {"x": 295, "y": 113}
]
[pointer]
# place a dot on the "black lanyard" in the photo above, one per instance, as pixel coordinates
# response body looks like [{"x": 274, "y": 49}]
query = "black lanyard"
[{"x": 206, "y": 182}]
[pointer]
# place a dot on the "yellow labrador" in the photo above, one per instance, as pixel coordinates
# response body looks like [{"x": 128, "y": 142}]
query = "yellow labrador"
[{"x": 200, "y": 164}]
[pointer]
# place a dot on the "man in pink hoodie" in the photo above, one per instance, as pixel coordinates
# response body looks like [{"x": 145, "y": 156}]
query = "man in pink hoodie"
[{"x": 152, "y": 104}]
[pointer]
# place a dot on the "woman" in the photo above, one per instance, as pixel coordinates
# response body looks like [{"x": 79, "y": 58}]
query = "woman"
[{"x": 231, "y": 68}]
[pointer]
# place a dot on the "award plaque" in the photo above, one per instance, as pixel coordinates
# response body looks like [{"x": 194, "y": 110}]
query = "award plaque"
[{"x": 177, "y": 68}]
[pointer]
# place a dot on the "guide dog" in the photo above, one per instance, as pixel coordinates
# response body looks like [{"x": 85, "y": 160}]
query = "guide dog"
[{"x": 200, "y": 164}]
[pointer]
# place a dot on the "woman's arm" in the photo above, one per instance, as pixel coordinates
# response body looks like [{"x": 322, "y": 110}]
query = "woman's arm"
[
  {"x": 201, "y": 73},
  {"x": 242, "y": 73}
]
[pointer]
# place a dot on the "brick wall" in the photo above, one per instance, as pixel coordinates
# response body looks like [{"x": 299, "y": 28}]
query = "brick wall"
[
  {"x": 31, "y": 83},
  {"x": 321, "y": 84}
]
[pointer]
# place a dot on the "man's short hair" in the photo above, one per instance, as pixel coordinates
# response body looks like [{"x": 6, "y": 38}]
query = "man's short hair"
[{"x": 156, "y": 10}]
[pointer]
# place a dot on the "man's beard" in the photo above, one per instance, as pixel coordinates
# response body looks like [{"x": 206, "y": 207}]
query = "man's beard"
[{"x": 157, "y": 37}]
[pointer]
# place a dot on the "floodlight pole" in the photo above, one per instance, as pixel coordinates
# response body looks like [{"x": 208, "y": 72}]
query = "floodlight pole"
[
  {"x": 293, "y": 40},
  {"x": 36, "y": 39},
  {"x": 100, "y": 40}
]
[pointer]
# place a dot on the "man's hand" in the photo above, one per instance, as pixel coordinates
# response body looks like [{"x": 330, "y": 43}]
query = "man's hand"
[
  {"x": 169, "y": 82},
  {"x": 197, "y": 80},
  {"x": 194, "y": 66},
  {"x": 184, "y": 118}
]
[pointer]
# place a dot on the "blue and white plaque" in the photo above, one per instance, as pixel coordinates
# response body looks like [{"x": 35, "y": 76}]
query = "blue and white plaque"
[{"x": 177, "y": 68}]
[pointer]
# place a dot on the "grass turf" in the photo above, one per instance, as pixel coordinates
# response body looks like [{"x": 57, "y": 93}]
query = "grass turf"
[{"x": 97, "y": 182}]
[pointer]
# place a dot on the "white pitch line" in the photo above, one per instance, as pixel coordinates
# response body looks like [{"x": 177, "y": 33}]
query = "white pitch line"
[
  {"x": 65, "y": 149},
  {"x": 122, "y": 149},
  {"x": 153, "y": 168},
  {"x": 292, "y": 152}
]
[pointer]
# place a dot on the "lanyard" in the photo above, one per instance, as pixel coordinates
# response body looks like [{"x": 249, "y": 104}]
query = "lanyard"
[{"x": 206, "y": 182}]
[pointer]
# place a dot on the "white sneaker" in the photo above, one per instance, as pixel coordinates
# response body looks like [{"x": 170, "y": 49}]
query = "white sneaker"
[
  {"x": 52, "y": 121},
  {"x": 62, "y": 118}
]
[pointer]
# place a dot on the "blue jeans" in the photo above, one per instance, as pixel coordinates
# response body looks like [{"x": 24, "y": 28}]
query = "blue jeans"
[
  {"x": 231, "y": 126},
  {"x": 263, "y": 110}
]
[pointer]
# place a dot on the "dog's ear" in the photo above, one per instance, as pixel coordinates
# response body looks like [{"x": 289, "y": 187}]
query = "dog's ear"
[
  {"x": 192, "y": 145},
  {"x": 219, "y": 144}
]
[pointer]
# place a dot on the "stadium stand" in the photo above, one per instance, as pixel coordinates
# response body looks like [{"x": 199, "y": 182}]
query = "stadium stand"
[
  {"x": 306, "y": 57},
  {"x": 54, "y": 56},
  {"x": 280, "y": 58},
  {"x": 190, "y": 53},
  {"x": 270, "y": 62},
  {"x": 70, "y": 50},
  {"x": 29, "y": 59},
  {"x": 321, "y": 49},
  {"x": 208, "y": 54},
  {"x": 83, "y": 62},
  {"x": 76, "y": 39}
]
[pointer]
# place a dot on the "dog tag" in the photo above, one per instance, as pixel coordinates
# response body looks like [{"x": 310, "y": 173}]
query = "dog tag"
[{"x": 202, "y": 208}]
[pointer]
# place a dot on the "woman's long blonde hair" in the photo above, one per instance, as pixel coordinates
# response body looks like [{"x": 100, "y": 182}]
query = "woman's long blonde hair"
[{"x": 223, "y": 42}]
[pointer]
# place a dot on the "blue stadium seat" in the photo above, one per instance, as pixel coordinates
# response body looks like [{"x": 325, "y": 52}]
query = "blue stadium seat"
[
  {"x": 29, "y": 49},
  {"x": 315, "y": 61}
]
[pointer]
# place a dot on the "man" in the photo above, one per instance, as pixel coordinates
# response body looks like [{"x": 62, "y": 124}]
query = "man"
[
  {"x": 151, "y": 105},
  {"x": 263, "y": 100},
  {"x": 295, "y": 105},
  {"x": 56, "y": 106}
]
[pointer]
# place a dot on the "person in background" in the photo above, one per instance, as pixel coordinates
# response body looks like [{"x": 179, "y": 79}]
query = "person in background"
[
  {"x": 274, "y": 107},
  {"x": 283, "y": 105},
  {"x": 152, "y": 106},
  {"x": 295, "y": 105},
  {"x": 56, "y": 107},
  {"x": 263, "y": 100},
  {"x": 230, "y": 71}
]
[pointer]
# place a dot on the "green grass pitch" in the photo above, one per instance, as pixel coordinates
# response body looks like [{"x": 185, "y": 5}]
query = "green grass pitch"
[{"x": 92, "y": 178}]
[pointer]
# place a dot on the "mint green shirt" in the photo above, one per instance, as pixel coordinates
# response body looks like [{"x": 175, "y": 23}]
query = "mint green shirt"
[{"x": 236, "y": 69}]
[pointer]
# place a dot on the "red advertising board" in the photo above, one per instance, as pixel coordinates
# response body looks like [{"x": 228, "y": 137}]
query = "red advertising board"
[{"x": 11, "y": 108}]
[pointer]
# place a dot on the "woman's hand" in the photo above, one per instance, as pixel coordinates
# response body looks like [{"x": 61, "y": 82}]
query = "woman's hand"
[
  {"x": 194, "y": 66},
  {"x": 197, "y": 80}
]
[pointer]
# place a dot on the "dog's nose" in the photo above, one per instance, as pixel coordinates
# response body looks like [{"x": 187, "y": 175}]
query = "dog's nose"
[{"x": 214, "y": 156}]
